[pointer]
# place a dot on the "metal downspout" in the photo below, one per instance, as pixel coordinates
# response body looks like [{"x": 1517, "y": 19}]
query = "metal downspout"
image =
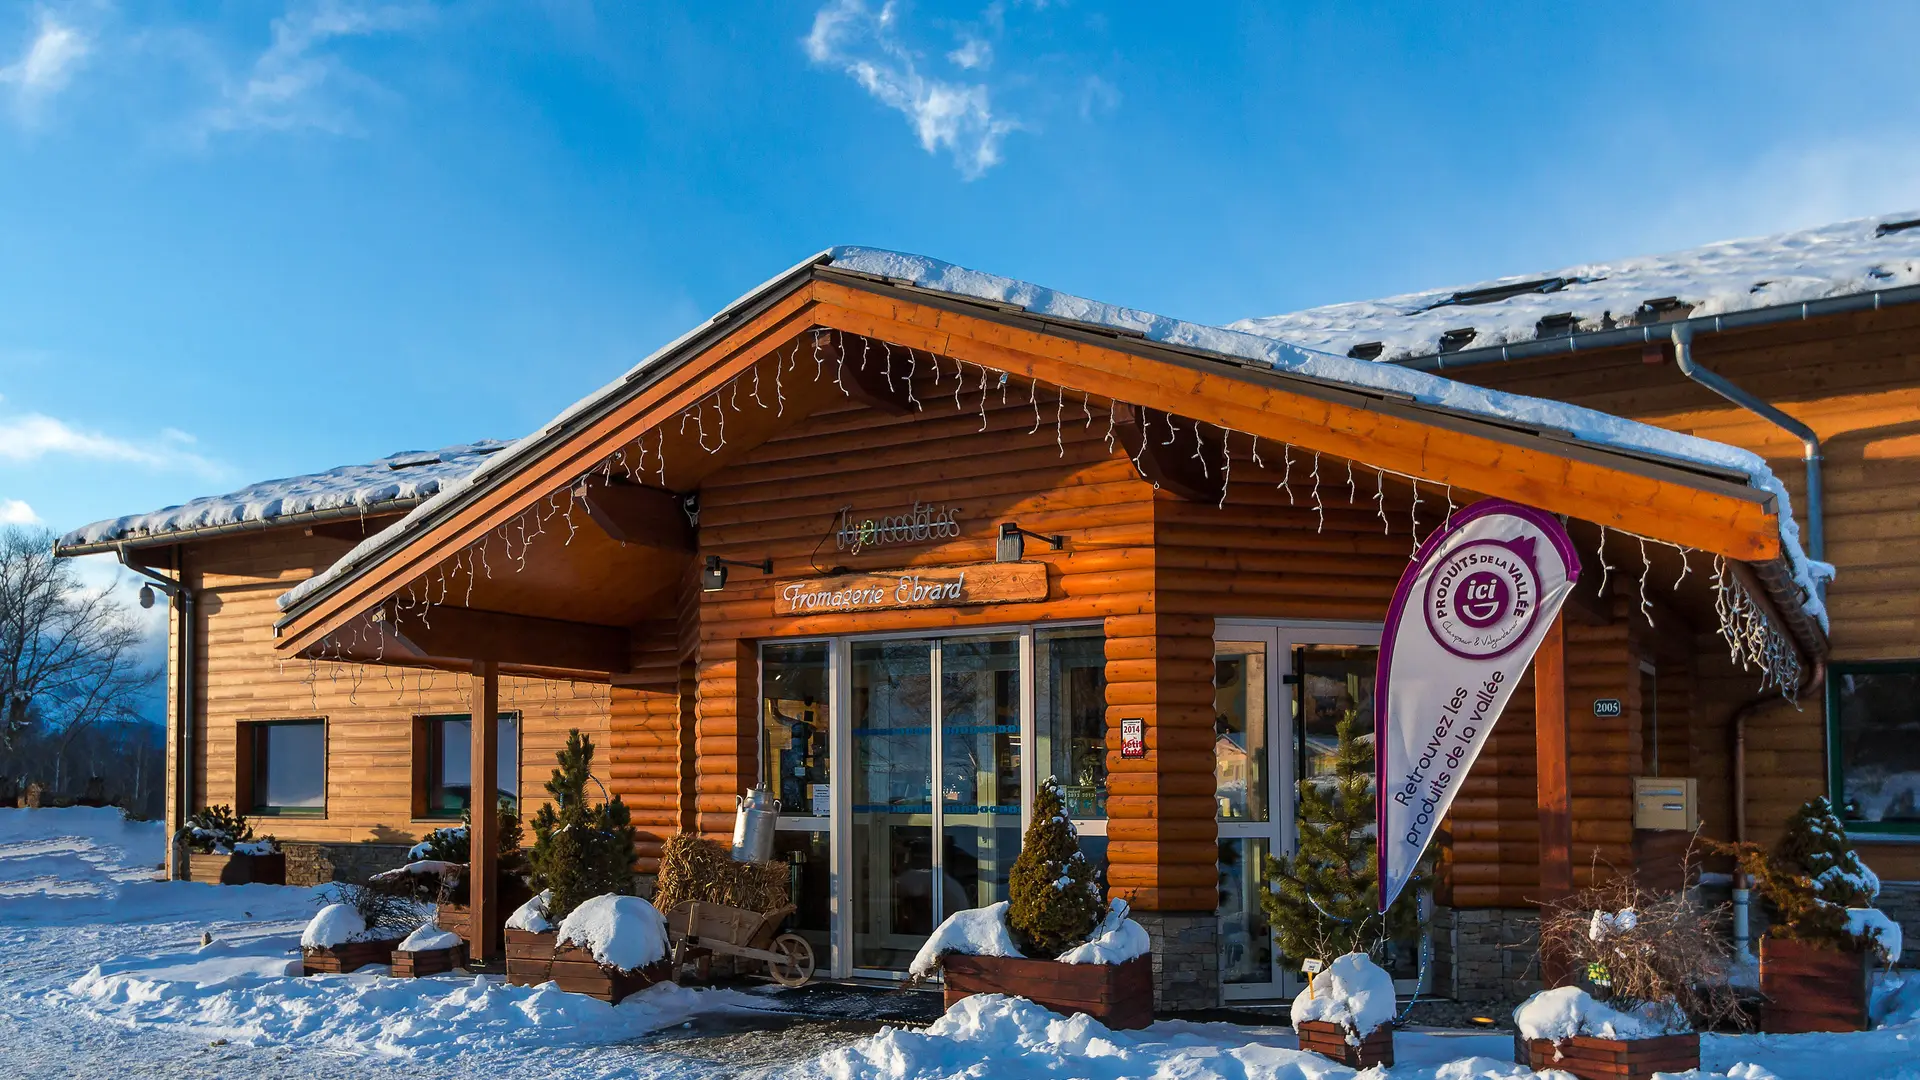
[
  {"x": 1809, "y": 442},
  {"x": 181, "y": 598}
]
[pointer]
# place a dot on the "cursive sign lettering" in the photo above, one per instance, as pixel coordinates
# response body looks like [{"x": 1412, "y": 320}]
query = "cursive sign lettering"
[
  {"x": 952, "y": 586},
  {"x": 925, "y": 523}
]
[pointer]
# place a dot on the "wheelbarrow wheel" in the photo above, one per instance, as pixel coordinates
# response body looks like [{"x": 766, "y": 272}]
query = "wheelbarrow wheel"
[{"x": 797, "y": 966}]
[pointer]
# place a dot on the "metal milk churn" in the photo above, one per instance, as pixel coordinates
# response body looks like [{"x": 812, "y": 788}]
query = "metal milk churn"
[{"x": 754, "y": 817}]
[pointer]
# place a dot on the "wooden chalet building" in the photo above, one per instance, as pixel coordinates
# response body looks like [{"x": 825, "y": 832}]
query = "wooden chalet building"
[{"x": 898, "y": 541}]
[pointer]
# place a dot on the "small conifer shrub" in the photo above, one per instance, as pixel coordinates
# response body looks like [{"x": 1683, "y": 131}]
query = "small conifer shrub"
[
  {"x": 1323, "y": 899},
  {"x": 217, "y": 830},
  {"x": 1810, "y": 879},
  {"x": 580, "y": 851},
  {"x": 1055, "y": 901}
]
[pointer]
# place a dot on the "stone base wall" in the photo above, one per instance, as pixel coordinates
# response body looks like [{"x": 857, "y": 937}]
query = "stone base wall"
[
  {"x": 1186, "y": 958},
  {"x": 313, "y": 864},
  {"x": 1901, "y": 901},
  {"x": 1486, "y": 954}
]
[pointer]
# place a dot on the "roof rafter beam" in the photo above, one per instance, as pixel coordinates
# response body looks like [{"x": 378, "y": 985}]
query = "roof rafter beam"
[
  {"x": 468, "y": 634},
  {"x": 644, "y": 516}
]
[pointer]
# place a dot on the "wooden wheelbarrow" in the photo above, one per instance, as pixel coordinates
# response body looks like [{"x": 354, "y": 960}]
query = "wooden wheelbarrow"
[{"x": 700, "y": 930}]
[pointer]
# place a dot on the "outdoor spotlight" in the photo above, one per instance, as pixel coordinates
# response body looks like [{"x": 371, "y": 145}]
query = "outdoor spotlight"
[
  {"x": 146, "y": 596},
  {"x": 714, "y": 577},
  {"x": 1012, "y": 544}
]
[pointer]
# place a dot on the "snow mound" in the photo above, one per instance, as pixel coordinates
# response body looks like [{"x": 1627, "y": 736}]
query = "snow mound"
[
  {"x": 624, "y": 932},
  {"x": 532, "y": 915},
  {"x": 1560, "y": 1014},
  {"x": 1008, "y": 1038},
  {"x": 75, "y": 851},
  {"x": 973, "y": 932},
  {"x": 1116, "y": 940},
  {"x": 1353, "y": 992},
  {"x": 429, "y": 937},
  {"x": 1896, "y": 999},
  {"x": 1887, "y": 932},
  {"x": 251, "y": 994},
  {"x": 422, "y": 868},
  {"x": 336, "y": 925}
]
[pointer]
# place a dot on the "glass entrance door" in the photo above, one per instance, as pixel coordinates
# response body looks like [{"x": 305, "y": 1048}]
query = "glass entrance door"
[
  {"x": 936, "y": 776},
  {"x": 1280, "y": 693}
]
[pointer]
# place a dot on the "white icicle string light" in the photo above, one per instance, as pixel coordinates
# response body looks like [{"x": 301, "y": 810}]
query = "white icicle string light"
[
  {"x": 1226, "y": 465},
  {"x": 1600, "y": 549},
  {"x": 1380, "y": 500},
  {"x": 1319, "y": 508},
  {"x": 1113, "y": 416},
  {"x": 1286, "y": 475},
  {"x": 1646, "y": 570},
  {"x": 1060, "y": 419},
  {"x": 1033, "y": 399},
  {"x": 1198, "y": 453}
]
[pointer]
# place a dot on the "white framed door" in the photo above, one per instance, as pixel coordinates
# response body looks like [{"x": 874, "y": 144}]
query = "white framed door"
[{"x": 1269, "y": 725}]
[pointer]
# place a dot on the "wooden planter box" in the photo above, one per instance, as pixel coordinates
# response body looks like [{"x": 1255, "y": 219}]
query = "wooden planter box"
[
  {"x": 1118, "y": 995},
  {"x": 1612, "y": 1059},
  {"x": 238, "y": 869},
  {"x": 352, "y": 956},
  {"x": 458, "y": 918},
  {"x": 1330, "y": 1041},
  {"x": 532, "y": 960},
  {"x": 412, "y": 965},
  {"x": 1811, "y": 989}
]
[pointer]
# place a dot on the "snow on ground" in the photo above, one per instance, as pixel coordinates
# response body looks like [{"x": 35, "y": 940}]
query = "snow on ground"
[
  {"x": 102, "y": 974},
  {"x": 1010, "y": 1039}
]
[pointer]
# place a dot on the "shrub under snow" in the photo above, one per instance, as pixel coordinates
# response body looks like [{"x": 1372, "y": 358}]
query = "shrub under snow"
[
  {"x": 1562, "y": 1013},
  {"x": 1353, "y": 991},
  {"x": 336, "y": 925},
  {"x": 624, "y": 932},
  {"x": 427, "y": 938},
  {"x": 532, "y": 915}
]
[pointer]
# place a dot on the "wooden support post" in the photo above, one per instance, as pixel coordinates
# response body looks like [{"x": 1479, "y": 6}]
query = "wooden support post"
[
  {"x": 1555, "y": 786},
  {"x": 483, "y": 841}
]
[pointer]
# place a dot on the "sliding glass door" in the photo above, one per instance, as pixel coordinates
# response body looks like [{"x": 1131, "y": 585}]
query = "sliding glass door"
[{"x": 904, "y": 770}]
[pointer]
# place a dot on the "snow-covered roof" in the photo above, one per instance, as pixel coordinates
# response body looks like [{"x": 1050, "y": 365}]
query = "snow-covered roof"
[
  {"x": 1583, "y": 425},
  {"x": 393, "y": 483},
  {"x": 1848, "y": 258}
]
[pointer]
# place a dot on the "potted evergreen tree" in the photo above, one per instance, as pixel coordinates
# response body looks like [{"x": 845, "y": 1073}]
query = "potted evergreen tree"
[
  {"x": 1322, "y": 900},
  {"x": 1816, "y": 960},
  {"x": 1055, "y": 942},
  {"x": 222, "y": 849},
  {"x": 582, "y": 860}
]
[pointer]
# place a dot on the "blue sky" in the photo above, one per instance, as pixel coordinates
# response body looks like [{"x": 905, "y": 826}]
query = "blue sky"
[{"x": 245, "y": 240}]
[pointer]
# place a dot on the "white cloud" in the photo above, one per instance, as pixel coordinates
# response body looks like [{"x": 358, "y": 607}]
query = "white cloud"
[
  {"x": 955, "y": 116},
  {"x": 17, "y": 512},
  {"x": 32, "y": 436},
  {"x": 973, "y": 53},
  {"x": 298, "y": 82},
  {"x": 46, "y": 66}
]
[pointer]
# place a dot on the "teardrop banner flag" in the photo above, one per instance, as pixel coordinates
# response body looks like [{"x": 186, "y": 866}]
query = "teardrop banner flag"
[{"x": 1468, "y": 615}]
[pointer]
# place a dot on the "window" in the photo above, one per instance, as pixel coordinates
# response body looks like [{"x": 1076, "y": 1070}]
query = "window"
[
  {"x": 1873, "y": 716},
  {"x": 794, "y": 709},
  {"x": 1070, "y": 716},
  {"x": 443, "y": 763},
  {"x": 289, "y": 766}
]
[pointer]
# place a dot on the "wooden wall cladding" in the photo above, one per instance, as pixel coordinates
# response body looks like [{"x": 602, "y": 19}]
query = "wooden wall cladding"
[
  {"x": 1855, "y": 379},
  {"x": 369, "y": 709}
]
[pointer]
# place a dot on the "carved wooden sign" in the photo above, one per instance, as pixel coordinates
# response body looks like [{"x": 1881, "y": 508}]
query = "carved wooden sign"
[{"x": 894, "y": 590}]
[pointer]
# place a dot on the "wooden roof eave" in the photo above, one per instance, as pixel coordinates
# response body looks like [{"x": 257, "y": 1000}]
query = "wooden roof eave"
[{"x": 1661, "y": 500}]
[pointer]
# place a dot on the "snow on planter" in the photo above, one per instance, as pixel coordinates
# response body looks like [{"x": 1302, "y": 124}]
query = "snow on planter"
[
  {"x": 1352, "y": 992},
  {"x": 1116, "y": 940},
  {"x": 622, "y": 932},
  {"x": 1561, "y": 1014},
  {"x": 532, "y": 915},
  {"x": 983, "y": 932},
  {"x": 428, "y": 937},
  {"x": 974, "y": 932},
  {"x": 336, "y": 925},
  {"x": 1887, "y": 932}
]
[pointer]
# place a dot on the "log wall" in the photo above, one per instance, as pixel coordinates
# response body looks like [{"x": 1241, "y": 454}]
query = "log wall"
[
  {"x": 369, "y": 709},
  {"x": 1855, "y": 379}
]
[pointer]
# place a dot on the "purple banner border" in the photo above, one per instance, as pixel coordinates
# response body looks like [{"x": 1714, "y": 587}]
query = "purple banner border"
[{"x": 1546, "y": 523}]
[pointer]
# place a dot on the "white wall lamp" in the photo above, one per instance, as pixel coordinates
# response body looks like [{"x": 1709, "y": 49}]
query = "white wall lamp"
[{"x": 1012, "y": 544}]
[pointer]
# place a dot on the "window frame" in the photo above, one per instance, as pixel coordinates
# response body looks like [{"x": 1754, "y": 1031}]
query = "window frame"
[
  {"x": 249, "y": 748},
  {"x": 1836, "y": 767},
  {"x": 425, "y": 743}
]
